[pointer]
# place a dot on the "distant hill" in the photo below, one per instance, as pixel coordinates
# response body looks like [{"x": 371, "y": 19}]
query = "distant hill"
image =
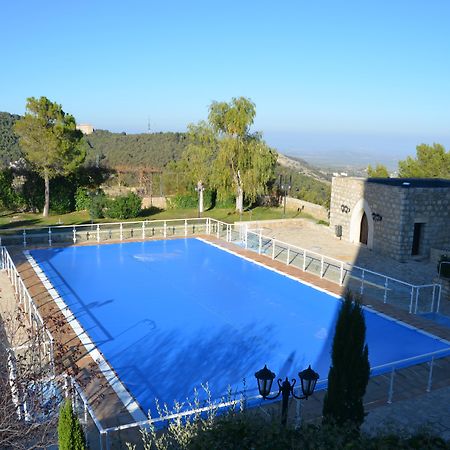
[
  {"x": 146, "y": 149},
  {"x": 302, "y": 167}
]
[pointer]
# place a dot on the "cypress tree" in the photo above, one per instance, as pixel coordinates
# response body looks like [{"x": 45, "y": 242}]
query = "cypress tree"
[
  {"x": 70, "y": 433},
  {"x": 350, "y": 368}
]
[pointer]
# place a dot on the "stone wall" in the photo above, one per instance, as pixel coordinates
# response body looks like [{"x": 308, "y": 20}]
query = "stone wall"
[
  {"x": 317, "y": 211},
  {"x": 395, "y": 210}
]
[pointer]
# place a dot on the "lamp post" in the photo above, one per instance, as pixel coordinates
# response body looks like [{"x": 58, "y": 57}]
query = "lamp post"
[
  {"x": 285, "y": 189},
  {"x": 200, "y": 188},
  {"x": 265, "y": 377}
]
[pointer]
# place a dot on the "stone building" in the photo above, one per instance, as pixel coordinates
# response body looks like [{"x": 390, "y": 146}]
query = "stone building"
[
  {"x": 399, "y": 217},
  {"x": 85, "y": 128}
]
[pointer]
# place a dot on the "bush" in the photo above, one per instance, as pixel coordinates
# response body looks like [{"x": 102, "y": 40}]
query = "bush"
[
  {"x": 444, "y": 268},
  {"x": 70, "y": 433},
  {"x": 9, "y": 198},
  {"x": 62, "y": 195},
  {"x": 82, "y": 199},
  {"x": 124, "y": 207},
  {"x": 185, "y": 201},
  {"x": 97, "y": 205}
]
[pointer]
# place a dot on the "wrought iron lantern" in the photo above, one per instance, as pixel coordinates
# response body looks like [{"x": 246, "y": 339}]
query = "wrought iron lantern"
[{"x": 265, "y": 377}]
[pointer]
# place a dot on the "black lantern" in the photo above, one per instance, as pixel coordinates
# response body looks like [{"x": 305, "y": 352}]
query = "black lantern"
[
  {"x": 308, "y": 379},
  {"x": 265, "y": 379}
]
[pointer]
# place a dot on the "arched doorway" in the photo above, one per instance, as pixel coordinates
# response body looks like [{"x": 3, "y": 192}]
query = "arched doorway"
[
  {"x": 361, "y": 224},
  {"x": 364, "y": 230}
]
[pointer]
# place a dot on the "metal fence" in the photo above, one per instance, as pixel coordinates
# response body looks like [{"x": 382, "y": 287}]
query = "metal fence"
[{"x": 413, "y": 298}]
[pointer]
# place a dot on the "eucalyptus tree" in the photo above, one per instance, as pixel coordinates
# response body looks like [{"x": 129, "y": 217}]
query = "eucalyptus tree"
[
  {"x": 50, "y": 141},
  {"x": 244, "y": 163}
]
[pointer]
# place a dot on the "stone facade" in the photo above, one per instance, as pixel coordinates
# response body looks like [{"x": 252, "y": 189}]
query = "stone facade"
[{"x": 392, "y": 208}]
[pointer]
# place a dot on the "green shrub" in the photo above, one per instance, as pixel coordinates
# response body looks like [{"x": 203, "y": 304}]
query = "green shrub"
[
  {"x": 225, "y": 202},
  {"x": 9, "y": 198},
  {"x": 444, "y": 268},
  {"x": 124, "y": 207},
  {"x": 82, "y": 199},
  {"x": 62, "y": 196},
  {"x": 97, "y": 205},
  {"x": 185, "y": 201},
  {"x": 70, "y": 433}
]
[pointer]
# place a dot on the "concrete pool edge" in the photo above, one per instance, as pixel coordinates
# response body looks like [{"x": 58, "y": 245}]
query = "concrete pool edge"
[{"x": 128, "y": 400}]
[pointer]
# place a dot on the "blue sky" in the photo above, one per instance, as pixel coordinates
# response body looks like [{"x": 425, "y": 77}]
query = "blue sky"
[{"x": 326, "y": 75}]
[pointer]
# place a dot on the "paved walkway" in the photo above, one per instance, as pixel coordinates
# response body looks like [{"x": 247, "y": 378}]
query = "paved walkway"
[
  {"x": 430, "y": 411},
  {"x": 309, "y": 235}
]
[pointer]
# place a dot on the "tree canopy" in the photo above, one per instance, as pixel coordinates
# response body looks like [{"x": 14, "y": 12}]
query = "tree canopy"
[
  {"x": 50, "y": 141},
  {"x": 244, "y": 162},
  {"x": 431, "y": 161},
  {"x": 379, "y": 171}
]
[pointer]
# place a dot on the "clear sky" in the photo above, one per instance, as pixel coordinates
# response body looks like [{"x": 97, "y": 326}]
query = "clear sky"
[{"x": 366, "y": 76}]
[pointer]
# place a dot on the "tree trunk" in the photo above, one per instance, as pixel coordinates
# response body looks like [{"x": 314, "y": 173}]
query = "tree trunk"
[
  {"x": 240, "y": 200},
  {"x": 47, "y": 195}
]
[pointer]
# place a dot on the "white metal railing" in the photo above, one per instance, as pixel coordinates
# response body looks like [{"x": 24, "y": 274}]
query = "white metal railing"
[
  {"x": 29, "y": 306},
  {"x": 332, "y": 269},
  {"x": 326, "y": 267}
]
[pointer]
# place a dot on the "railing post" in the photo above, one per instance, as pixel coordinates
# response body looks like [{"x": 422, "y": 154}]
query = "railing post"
[
  {"x": 143, "y": 229},
  {"x": 185, "y": 227},
  {"x": 385, "y": 290},
  {"x": 288, "y": 256},
  {"x": 321, "y": 266},
  {"x": 411, "y": 301},
  {"x": 121, "y": 231},
  {"x": 217, "y": 230},
  {"x": 430, "y": 375},
  {"x": 165, "y": 229},
  {"x": 49, "y": 236},
  {"x": 74, "y": 233},
  {"x": 246, "y": 238},
  {"x": 361, "y": 291},
  {"x": 391, "y": 386},
  {"x": 417, "y": 299},
  {"x": 24, "y": 238},
  {"x": 432, "y": 298},
  {"x": 273, "y": 248},
  {"x": 259, "y": 243},
  {"x": 439, "y": 298},
  {"x": 341, "y": 277}
]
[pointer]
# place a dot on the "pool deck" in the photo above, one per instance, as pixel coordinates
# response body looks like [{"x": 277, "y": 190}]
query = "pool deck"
[{"x": 409, "y": 384}]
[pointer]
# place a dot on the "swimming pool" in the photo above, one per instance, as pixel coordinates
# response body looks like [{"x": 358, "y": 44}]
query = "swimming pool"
[{"x": 169, "y": 315}]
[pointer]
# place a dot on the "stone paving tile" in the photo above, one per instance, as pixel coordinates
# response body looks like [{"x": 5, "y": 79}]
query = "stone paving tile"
[{"x": 431, "y": 411}]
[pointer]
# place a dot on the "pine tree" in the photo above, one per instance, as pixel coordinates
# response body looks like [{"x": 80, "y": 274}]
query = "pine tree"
[
  {"x": 350, "y": 368},
  {"x": 70, "y": 433}
]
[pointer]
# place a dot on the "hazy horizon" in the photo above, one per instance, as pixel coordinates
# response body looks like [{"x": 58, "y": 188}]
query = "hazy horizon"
[{"x": 369, "y": 79}]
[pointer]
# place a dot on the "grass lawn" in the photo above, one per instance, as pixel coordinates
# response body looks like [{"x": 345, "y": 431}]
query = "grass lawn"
[{"x": 28, "y": 220}]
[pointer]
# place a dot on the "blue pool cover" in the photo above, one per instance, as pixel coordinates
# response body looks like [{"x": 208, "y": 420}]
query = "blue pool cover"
[{"x": 171, "y": 315}]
